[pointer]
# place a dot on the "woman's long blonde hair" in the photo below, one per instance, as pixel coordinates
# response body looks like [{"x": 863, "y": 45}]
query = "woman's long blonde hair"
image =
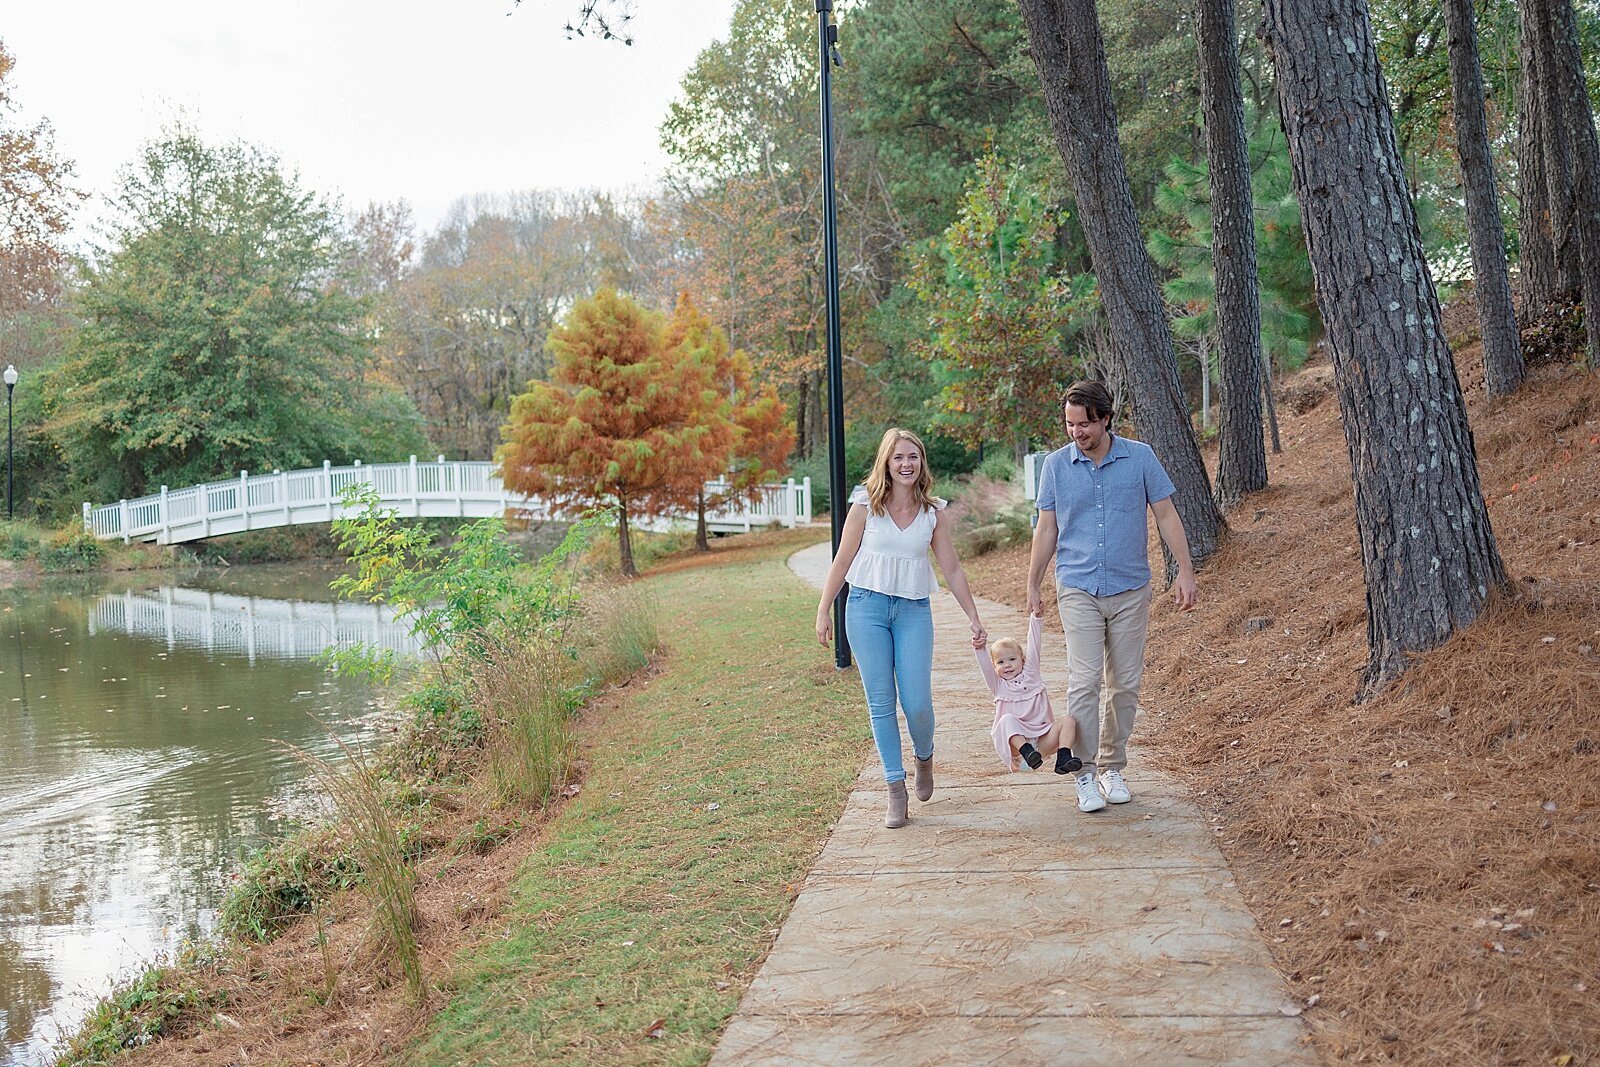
[{"x": 879, "y": 483}]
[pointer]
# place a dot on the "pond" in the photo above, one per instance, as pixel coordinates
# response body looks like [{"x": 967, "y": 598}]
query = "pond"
[{"x": 140, "y": 722}]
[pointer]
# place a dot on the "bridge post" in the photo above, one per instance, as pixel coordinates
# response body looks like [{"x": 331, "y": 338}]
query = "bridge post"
[
  {"x": 205, "y": 510},
  {"x": 244, "y": 497},
  {"x": 416, "y": 502},
  {"x": 165, "y": 536},
  {"x": 283, "y": 494},
  {"x": 122, "y": 520},
  {"x": 88, "y": 517},
  {"x": 327, "y": 485},
  {"x": 805, "y": 501}
]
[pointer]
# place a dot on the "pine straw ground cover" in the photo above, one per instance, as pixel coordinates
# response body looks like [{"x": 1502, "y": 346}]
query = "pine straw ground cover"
[
  {"x": 1425, "y": 865},
  {"x": 623, "y": 924}
]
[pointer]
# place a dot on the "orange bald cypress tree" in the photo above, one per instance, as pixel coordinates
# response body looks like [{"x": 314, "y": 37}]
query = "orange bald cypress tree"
[
  {"x": 625, "y": 421},
  {"x": 750, "y": 417}
]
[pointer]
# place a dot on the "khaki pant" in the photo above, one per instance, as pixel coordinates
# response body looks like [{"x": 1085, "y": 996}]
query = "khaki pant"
[{"x": 1105, "y": 652}]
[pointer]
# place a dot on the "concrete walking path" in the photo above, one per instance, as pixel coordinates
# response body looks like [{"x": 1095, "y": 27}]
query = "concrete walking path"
[{"x": 1001, "y": 925}]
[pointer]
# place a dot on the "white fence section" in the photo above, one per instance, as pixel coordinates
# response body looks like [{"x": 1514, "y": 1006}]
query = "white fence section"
[
  {"x": 249, "y": 626},
  {"x": 464, "y": 489}
]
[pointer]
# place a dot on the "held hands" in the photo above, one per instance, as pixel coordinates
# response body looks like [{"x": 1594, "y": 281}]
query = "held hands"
[
  {"x": 1035, "y": 602},
  {"x": 980, "y": 636}
]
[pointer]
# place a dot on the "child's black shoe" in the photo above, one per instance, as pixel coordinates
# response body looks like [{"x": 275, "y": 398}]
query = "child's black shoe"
[
  {"x": 1067, "y": 763},
  {"x": 1030, "y": 755}
]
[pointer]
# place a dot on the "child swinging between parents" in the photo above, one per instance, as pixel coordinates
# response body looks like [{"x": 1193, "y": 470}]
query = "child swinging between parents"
[{"x": 1025, "y": 727}]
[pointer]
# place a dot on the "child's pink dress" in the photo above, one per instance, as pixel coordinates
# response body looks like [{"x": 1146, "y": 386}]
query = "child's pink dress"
[{"x": 1021, "y": 704}]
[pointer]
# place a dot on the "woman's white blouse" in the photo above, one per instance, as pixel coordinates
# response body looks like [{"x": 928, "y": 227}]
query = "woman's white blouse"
[{"x": 892, "y": 560}]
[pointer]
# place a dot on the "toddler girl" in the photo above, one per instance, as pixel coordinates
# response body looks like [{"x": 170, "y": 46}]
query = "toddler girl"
[{"x": 1023, "y": 722}]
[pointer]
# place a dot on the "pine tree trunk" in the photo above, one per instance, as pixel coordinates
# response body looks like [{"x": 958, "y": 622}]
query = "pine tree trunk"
[
  {"x": 625, "y": 539},
  {"x": 1241, "y": 457},
  {"x": 802, "y": 408},
  {"x": 815, "y": 420},
  {"x": 701, "y": 542},
  {"x": 1560, "y": 167},
  {"x": 1065, "y": 41},
  {"x": 1427, "y": 550},
  {"x": 1565, "y": 82},
  {"x": 1536, "y": 265},
  {"x": 1503, "y": 367},
  {"x": 1272, "y": 405}
]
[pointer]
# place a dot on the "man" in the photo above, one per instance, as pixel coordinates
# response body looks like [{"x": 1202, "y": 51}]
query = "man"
[{"x": 1092, "y": 499}]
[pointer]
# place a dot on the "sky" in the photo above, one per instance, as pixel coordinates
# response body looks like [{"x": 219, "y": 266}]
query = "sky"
[{"x": 425, "y": 101}]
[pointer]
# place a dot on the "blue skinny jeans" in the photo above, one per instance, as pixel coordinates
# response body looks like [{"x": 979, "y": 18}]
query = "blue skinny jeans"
[{"x": 892, "y": 638}]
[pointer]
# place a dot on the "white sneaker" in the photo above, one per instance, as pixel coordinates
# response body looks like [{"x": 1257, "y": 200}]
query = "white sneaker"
[
  {"x": 1114, "y": 788},
  {"x": 1089, "y": 798}
]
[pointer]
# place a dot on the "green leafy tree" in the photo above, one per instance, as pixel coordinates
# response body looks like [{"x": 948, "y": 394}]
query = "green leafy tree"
[
  {"x": 217, "y": 334},
  {"x": 626, "y": 422},
  {"x": 996, "y": 311},
  {"x": 1182, "y": 246}
]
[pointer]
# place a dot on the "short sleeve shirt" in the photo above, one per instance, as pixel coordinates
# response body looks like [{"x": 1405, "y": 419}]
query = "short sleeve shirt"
[{"x": 1102, "y": 533}]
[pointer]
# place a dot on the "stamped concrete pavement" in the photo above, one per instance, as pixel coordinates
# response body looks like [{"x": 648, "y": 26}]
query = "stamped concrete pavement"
[{"x": 1002, "y": 926}]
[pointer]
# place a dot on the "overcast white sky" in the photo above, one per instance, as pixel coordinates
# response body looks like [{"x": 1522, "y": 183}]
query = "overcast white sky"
[{"x": 425, "y": 100}]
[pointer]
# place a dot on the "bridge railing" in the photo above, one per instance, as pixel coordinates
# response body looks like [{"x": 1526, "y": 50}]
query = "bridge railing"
[{"x": 441, "y": 488}]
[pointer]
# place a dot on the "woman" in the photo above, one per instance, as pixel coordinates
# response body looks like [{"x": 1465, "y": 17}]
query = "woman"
[{"x": 883, "y": 553}]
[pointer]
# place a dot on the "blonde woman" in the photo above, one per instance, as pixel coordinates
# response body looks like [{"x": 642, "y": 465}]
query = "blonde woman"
[{"x": 883, "y": 553}]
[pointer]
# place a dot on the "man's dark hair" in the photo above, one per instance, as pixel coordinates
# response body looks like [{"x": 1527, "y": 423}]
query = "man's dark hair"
[{"x": 1092, "y": 397}]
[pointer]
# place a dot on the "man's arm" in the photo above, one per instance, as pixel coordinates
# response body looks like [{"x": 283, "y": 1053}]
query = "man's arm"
[
  {"x": 1185, "y": 590},
  {"x": 1044, "y": 550}
]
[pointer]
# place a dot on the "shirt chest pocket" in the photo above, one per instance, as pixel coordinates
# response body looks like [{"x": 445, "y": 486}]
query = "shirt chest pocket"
[{"x": 1128, "y": 507}]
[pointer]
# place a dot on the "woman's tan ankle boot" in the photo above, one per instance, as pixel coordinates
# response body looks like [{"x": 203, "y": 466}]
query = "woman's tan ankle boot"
[
  {"x": 924, "y": 775},
  {"x": 897, "y": 806}
]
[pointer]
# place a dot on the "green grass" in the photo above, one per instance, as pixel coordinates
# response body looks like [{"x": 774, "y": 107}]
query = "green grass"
[{"x": 655, "y": 892}]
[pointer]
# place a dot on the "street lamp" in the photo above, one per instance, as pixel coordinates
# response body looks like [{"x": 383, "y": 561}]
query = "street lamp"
[
  {"x": 11, "y": 383},
  {"x": 838, "y": 491}
]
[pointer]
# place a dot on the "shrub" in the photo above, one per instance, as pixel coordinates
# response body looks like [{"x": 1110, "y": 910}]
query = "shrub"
[
  {"x": 285, "y": 880},
  {"x": 17, "y": 542},
  {"x": 999, "y": 468},
  {"x": 72, "y": 549}
]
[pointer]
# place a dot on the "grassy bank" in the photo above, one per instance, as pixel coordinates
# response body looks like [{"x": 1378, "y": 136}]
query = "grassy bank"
[
  {"x": 642, "y": 913},
  {"x": 619, "y": 922}
]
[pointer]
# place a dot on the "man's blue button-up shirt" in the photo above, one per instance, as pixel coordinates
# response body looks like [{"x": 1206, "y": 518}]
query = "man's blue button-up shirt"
[{"x": 1102, "y": 538}]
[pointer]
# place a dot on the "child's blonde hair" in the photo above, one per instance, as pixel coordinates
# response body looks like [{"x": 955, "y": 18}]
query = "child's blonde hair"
[{"x": 1006, "y": 642}]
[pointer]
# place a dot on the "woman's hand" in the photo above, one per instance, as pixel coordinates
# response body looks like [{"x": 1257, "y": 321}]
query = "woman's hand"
[
  {"x": 824, "y": 627},
  {"x": 980, "y": 636}
]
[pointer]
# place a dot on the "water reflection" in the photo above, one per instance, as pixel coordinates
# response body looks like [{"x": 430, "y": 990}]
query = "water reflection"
[{"x": 135, "y": 763}]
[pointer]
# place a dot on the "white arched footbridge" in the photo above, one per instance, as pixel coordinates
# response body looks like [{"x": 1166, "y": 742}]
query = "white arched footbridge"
[{"x": 443, "y": 488}]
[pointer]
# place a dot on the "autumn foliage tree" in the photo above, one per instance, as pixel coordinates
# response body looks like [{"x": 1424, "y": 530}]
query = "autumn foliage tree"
[
  {"x": 626, "y": 421},
  {"x": 996, "y": 311},
  {"x": 760, "y": 438}
]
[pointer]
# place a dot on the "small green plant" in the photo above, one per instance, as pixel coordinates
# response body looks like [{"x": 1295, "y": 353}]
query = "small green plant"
[
  {"x": 459, "y": 597},
  {"x": 17, "y": 542},
  {"x": 142, "y": 1009}
]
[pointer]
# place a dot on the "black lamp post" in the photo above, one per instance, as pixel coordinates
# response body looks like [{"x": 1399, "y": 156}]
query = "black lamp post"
[
  {"x": 838, "y": 491},
  {"x": 11, "y": 383}
]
